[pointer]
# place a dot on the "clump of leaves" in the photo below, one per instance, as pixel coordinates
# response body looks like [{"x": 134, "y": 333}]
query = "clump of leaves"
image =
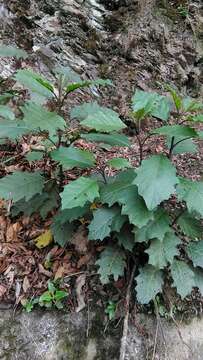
[
  {"x": 131, "y": 210},
  {"x": 53, "y": 297}
]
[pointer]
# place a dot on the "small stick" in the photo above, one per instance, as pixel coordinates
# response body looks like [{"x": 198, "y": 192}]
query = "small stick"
[{"x": 126, "y": 319}]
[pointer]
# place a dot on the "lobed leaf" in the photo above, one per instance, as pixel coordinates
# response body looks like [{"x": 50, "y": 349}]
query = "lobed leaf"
[
  {"x": 183, "y": 277},
  {"x": 73, "y": 157},
  {"x": 149, "y": 284},
  {"x": 93, "y": 116},
  {"x": 79, "y": 192},
  {"x": 21, "y": 185},
  {"x": 192, "y": 193},
  {"x": 111, "y": 263},
  {"x": 195, "y": 252},
  {"x": 156, "y": 180}
]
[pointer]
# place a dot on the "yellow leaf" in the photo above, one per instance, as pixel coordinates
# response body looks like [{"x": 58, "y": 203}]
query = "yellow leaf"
[
  {"x": 94, "y": 206},
  {"x": 44, "y": 239}
]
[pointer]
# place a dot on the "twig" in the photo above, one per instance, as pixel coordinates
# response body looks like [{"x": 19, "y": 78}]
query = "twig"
[
  {"x": 155, "y": 339},
  {"x": 126, "y": 319}
]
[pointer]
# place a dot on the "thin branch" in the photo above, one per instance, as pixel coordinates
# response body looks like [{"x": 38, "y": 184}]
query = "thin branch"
[
  {"x": 126, "y": 319},
  {"x": 171, "y": 147}
]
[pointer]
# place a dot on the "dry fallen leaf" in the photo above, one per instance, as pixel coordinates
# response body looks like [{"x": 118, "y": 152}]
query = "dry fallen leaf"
[
  {"x": 26, "y": 284},
  {"x": 44, "y": 240},
  {"x": 80, "y": 240},
  {"x": 59, "y": 273},
  {"x": 42, "y": 270},
  {"x": 3, "y": 290}
]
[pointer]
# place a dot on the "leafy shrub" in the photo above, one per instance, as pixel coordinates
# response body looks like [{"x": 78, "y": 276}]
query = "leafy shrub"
[{"x": 130, "y": 211}]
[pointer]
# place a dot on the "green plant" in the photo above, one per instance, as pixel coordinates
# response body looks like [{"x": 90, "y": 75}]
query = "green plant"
[
  {"x": 111, "y": 310},
  {"x": 135, "y": 211},
  {"x": 53, "y": 297},
  {"x": 183, "y": 11}
]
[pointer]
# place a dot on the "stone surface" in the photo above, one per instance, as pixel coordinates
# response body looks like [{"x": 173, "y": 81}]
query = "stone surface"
[{"x": 62, "y": 336}]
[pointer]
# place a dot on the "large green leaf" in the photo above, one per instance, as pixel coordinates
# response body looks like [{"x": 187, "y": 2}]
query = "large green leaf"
[
  {"x": 192, "y": 193},
  {"x": 78, "y": 192},
  {"x": 149, "y": 284},
  {"x": 62, "y": 232},
  {"x": 119, "y": 163},
  {"x": 186, "y": 146},
  {"x": 101, "y": 225},
  {"x": 118, "y": 190},
  {"x": 190, "y": 226},
  {"x": 183, "y": 277},
  {"x": 156, "y": 180},
  {"x": 35, "y": 83},
  {"x": 109, "y": 139},
  {"x": 162, "y": 252},
  {"x": 111, "y": 262},
  {"x": 21, "y": 185},
  {"x": 176, "y": 130},
  {"x": 70, "y": 215},
  {"x": 135, "y": 207},
  {"x": 73, "y": 157},
  {"x": 10, "y": 51},
  {"x": 42, "y": 203},
  {"x": 93, "y": 116},
  {"x": 12, "y": 129},
  {"x": 199, "y": 279},
  {"x": 126, "y": 239},
  {"x": 162, "y": 108},
  {"x": 157, "y": 228},
  {"x": 36, "y": 118},
  {"x": 6, "y": 112},
  {"x": 195, "y": 252}
]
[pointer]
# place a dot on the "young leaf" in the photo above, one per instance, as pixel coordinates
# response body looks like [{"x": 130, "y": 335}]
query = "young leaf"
[
  {"x": 78, "y": 192},
  {"x": 35, "y": 83},
  {"x": 111, "y": 262},
  {"x": 135, "y": 207},
  {"x": 6, "y": 112},
  {"x": 36, "y": 118},
  {"x": 156, "y": 180},
  {"x": 101, "y": 225},
  {"x": 10, "y": 51},
  {"x": 62, "y": 232},
  {"x": 157, "y": 228},
  {"x": 149, "y": 284},
  {"x": 190, "y": 104},
  {"x": 151, "y": 103},
  {"x": 73, "y": 157},
  {"x": 190, "y": 226},
  {"x": 117, "y": 191},
  {"x": 195, "y": 252},
  {"x": 183, "y": 278},
  {"x": 110, "y": 139},
  {"x": 176, "y": 130},
  {"x": 86, "y": 83},
  {"x": 119, "y": 163},
  {"x": 21, "y": 185},
  {"x": 192, "y": 193},
  {"x": 176, "y": 98},
  {"x": 196, "y": 118},
  {"x": 162, "y": 252},
  {"x": 93, "y": 116}
]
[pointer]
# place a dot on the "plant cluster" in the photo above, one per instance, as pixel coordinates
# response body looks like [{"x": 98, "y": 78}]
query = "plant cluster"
[{"x": 129, "y": 212}]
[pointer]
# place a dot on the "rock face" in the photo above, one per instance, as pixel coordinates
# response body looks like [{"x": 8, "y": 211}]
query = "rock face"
[{"x": 62, "y": 336}]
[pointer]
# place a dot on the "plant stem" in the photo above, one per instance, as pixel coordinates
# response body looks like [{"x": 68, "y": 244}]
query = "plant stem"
[
  {"x": 171, "y": 148},
  {"x": 140, "y": 148}
]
